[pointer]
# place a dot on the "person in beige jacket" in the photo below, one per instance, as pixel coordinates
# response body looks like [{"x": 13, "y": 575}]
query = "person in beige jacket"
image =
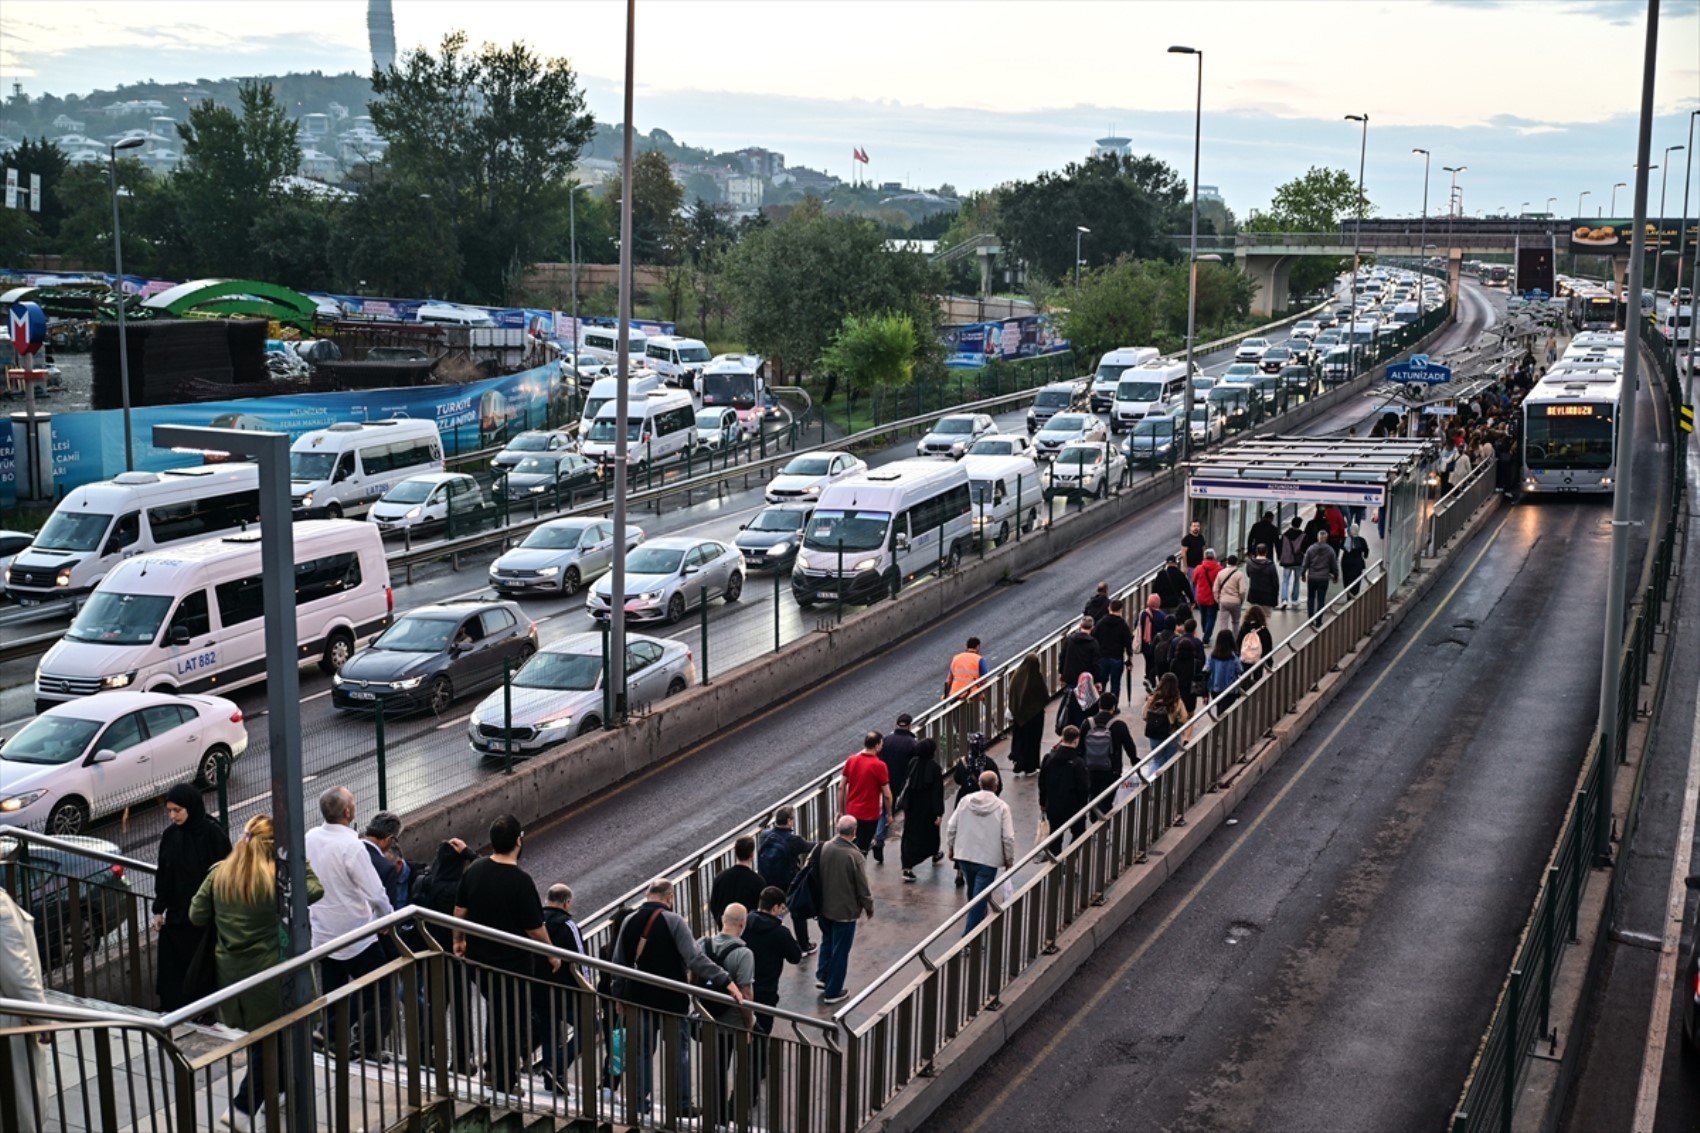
[
  {"x": 20, "y": 978},
  {"x": 981, "y": 840},
  {"x": 1231, "y": 587}
]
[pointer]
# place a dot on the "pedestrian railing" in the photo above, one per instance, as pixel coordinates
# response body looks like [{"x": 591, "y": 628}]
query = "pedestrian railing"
[{"x": 1452, "y": 511}]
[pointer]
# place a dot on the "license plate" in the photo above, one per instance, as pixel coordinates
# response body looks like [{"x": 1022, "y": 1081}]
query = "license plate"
[
  {"x": 359, "y": 695},
  {"x": 22, "y": 601}
]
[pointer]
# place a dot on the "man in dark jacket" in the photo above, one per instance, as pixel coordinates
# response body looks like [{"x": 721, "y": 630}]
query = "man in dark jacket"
[
  {"x": 1263, "y": 579},
  {"x": 897, "y": 751},
  {"x": 1079, "y": 654},
  {"x": 1064, "y": 787},
  {"x": 1186, "y": 661},
  {"x": 737, "y": 882},
  {"x": 1171, "y": 585},
  {"x": 781, "y": 852},
  {"x": 1104, "y": 744},
  {"x": 1099, "y": 604},
  {"x": 774, "y": 947},
  {"x": 1263, "y": 533},
  {"x": 1115, "y": 646},
  {"x": 557, "y": 1015}
]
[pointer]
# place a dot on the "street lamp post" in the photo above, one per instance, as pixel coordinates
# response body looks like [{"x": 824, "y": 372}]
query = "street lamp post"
[
  {"x": 1551, "y": 201},
  {"x": 1184, "y": 439},
  {"x": 270, "y": 451},
  {"x": 1682, "y": 257},
  {"x": 1357, "y": 237},
  {"x": 1614, "y": 189},
  {"x": 1580, "y": 197},
  {"x": 1080, "y": 230},
  {"x": 1422, "y": 240},
  {"x": 616, "y": 674},
  {"x": 1451, "y": 211},
  {"x": 1659, "y": 244},
  {"x": 118, "y": 267},
  {"x": 572, "y": 252}
]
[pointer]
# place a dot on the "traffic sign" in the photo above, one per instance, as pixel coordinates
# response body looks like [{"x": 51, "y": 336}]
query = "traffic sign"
[
  {"x": 29, "y": 327},
  {"x": 1419, "y": 370}
]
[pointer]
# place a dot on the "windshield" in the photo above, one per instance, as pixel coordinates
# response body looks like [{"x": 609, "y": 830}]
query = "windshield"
[
  {"x": 119, "y": 619},
  {"x": 854, "y": 530},
  {"x": 50, "y": 740},
  {"x": 694, "y": 354},
  {"x": 1225, "y": 396},
  {"x": 729, "y": 389},
  {"x": 1154, "y": 427},
  {"x": 546, "y": 465},
  {"x": 993, "y": 448},
  {"x": 311, "y": 465},
  {"x": 955, "y": 425},
  {"x": 592, "y": 405},
  {"x": 1568, "y": 436},
  {"x": 777, "y": 521},
  {"x": 709, "y": 420},
  {"x": 1109, "y": 372},
  {"x": 1200, "y": 415},
  {"x": 530, "y": 442},
  {"x": 418, "y": 635},
  {"x": 73, "y": 531},
  {"x": 1053, "y": 398},
  {"x": 807, "y": 466},
  {"x": 1138, "y": 391},
  {"x": 410, "y": 492},
  {"x": 654, "y": 560},
  {"x": 1065, "y": 423},
  {"x": 1078, "y": 454},
  {"x": 554, "y": 538},
  {"x": 605, "y": 429},
  {"x": 565, "y": 672}
]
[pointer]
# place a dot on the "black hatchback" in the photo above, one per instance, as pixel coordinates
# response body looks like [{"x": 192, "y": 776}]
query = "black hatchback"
[{"x": 433, "y": 654}]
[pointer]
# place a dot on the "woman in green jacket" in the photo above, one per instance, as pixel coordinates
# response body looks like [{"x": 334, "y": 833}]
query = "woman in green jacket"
[{"x": 239, "y": 899}]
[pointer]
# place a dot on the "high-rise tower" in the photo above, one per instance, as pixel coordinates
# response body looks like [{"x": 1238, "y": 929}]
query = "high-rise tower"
[{"x": 380, "y": 30}]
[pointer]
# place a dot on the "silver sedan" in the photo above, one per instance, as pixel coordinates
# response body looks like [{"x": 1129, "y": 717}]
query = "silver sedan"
[
  {"x": 559, "y": 556},
  {"x": 668, "y": 576}
]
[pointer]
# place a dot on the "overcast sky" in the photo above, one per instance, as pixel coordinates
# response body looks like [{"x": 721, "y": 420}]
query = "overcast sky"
[{"x": 1537, "y": 99}]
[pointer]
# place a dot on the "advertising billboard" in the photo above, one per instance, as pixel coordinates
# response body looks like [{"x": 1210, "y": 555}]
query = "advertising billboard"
[
  {"x": 972, "y": 345},
  {"x": 1591, "y": 234},
  {"x": 1535, "y": 269}
]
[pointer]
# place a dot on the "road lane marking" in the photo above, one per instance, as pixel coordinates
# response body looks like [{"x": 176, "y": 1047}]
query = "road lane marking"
[{"x": 1106, "y": 987}]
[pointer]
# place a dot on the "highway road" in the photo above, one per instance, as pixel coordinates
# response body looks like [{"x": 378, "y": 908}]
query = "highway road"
[
  {"x": 428, "y": 758},
  {"x": 1330, "y": 960}
]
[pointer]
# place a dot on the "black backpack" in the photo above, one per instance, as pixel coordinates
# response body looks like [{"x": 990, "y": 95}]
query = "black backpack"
[
  {"x": 804, "y": 896},
  {"x": 776, "y": 862},
  {"x": 1099, "y": 748}
]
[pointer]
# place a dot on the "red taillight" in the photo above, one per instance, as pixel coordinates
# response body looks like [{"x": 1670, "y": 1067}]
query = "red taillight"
[
  {"x": 389, "y": 599},
  {"x": 236, "y": 716},
  {"x": 117, "y": 871}
]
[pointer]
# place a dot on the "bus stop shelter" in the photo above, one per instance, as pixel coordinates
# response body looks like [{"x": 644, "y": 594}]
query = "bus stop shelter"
[
  {"x": 1381, "y": 484},
  {"x": 1410, "y": 401}
]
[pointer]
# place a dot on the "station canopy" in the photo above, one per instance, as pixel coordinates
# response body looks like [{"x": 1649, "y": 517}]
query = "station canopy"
[
  {"x": 1422, "y": 397},
  {"x": 1319, "y": 469}
]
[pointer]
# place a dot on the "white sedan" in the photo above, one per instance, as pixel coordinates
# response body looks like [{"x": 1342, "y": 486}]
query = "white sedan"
[
  {"x": 1003, "y": 444},
  {"x": 1065, "y": 429},
  {"x": 1085, "y": 469},
  {"x": 1251, "y": 349},
  {"x": 1206, "y": 424},
  {"x": 98, "y": 755},
  {"x": 1241, "y": 373},
  {"x": 809, "y": 473}
]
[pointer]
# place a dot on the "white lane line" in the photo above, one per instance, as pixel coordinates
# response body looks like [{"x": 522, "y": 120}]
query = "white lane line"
[
  {"x": 315, "y": 696},
  {"x": 446, "y": 724},
  {"x": 15, "y": 723},
  {"x": 250, "y": 802}
]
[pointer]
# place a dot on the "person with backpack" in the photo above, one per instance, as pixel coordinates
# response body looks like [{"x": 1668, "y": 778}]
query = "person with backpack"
[
  {"x": 1165, "y": 713},
  {"x": 966, "y": 773},
  {"x": 1256, "y": 642},
  {"x": 1225, "y": 668},
  {"x": 922, "y": 807},
  {"x": 727, "y": 949},
  {"x": 1148, "y": 630},
  {"x": 1103, "y": 744},
  {"x": 779, "y": 853},
  {"x": 1065, "y": 787},
  {"x": 1079, "y": 654},
  {"x": 1171, "y": 586},
  {"x": 1290, "y": 553},
  {"x": 738, "y": 882},
  {"x": 1230, "y": 589},
  {"x": 1099, "y": 604},
  {"x": 1354, "y": 559},
  {"x": 1263, "y": 578},
  {"x": 1186, "y": 665}
]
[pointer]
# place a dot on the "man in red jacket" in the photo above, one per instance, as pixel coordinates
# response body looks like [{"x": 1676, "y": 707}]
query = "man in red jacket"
[
  {"x": 866, "y": 791},
  {"x": 1204, "y": 591}
]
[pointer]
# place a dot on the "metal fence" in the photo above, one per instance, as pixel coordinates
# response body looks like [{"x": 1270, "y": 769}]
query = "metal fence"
[
  {"x": 1522, "y": 1014},
  {"x": 1452, "y": 511}
]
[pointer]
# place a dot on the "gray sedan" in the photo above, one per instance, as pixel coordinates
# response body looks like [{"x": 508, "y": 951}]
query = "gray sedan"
[
  {"x": 666, "y": 577},
  {"x": 558, "y": 694},
  {"x": 559, "y": 556},
  {"x": 545, "y": 474}
]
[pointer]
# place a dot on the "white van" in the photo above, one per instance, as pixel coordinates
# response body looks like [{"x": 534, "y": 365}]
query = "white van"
[
  {"x": 1007, "y": 493},
  {"x": 678, "y": 360},
  {"x": 350, "y": 465},
  {"x": 447, "y": 314},
  {"x": 604, "y": 343},
  {"x": 97, "y": 526},
  {"x": 1155, "y": 387},
  {"x": 1110, "y": 369},
  {"x": 659, "y": 426},
  {"x": 191, "y": 619},
  {"x": 887, "y": 525},
  {"x": 639, "y": 384},
  {"x": 1677, "y": 325}
]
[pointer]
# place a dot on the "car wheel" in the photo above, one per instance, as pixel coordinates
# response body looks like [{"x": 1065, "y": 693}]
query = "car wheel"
[
  {"x": 333, "y": 510},
  {"x": 734, "y": 588},
  {"x": 339, "y": 647},
  {"x": 676, "y": 608},
  {"x": 1003, "y": 534},
  {"x": 206, "y": 773},
  {"x": 442, "y": 695},
  {"x": 70, "y": 816},
  {"x": 676, "y": 686},
  {"x": 591, "y": 725},
  {"x": 570, "y": 582}
]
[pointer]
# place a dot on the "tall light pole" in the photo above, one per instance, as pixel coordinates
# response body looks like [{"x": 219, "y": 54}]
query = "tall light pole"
[
  {"x": 1622, "y": 514},
  {"x": 1080, "y": 230},
  {"x": 1422, "y": 240},
  {"x": 1551, "y": 201},
  {"x": 1614, "y": 189},
  {"x": 616, "y": 674},
  {"x": 1357, "y": 240},
  {"x": 1451, "y": 211},
  {"x": 1659, "y": 248},
  {"x": 1682, "y": 256},
  {"x": 1184, "y": 438},
  {"x": 572, "y": 251},
  {"x": 118, "y": 267},
  {"x": 1580, "y": 197}
]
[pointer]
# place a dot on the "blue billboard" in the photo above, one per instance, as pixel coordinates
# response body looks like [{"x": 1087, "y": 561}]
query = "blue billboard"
[{"x": 972, "y": 345}]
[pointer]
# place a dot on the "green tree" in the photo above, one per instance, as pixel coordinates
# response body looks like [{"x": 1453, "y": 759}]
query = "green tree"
[
  {"x": 394, "y": 239},
  {"x": 229, "y": 178},
  {"x": 708, "y": 236},
  {"x": 1144, "y": 302},
  {"x": 48, "y": 161},
  {"x": 655, "y": 208},
  {"x": 492, "y": 137},
  {"x": 1131, "y": 204},
  {"x": 20, "y": 237},
  {"x": 792, "y": 283},
  {"x": 1316, "y": 201},
  {"x": 872, "y": 352}
]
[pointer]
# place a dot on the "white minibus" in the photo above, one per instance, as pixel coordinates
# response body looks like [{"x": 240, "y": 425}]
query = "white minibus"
[
  {"x": 1007, "y": 493},
  {"x": 1110, "y": 369},
  {"x": 1155, "y": 387},
  {"x": 191, "y": 619},
  {"x": 603, "y": 391},
  {"x": 659, "y": 426},
  {"x": 350, "y": 465},
  {"x": 679, "y": 360},
  {"x": 604, "y": 343}
]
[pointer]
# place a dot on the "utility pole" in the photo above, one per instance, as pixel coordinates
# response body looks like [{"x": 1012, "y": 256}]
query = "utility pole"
[{"x": 616, "y": 674}]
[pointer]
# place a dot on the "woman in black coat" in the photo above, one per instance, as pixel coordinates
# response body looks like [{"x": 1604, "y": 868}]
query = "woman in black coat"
[
  {"x": 188, "y": 849},
  {"x": 922, "y": 807},
  {"x": 1028, "y": 699}
]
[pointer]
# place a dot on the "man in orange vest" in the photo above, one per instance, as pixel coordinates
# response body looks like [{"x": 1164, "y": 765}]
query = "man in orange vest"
[{"x": 965, "y": 668}]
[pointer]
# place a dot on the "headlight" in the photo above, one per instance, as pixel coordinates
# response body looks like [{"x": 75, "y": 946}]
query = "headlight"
[
  {"x": 409, "y": 683},
  {"x": 812, "y": 490},
  {"x": 555, "y": 723},
  {"x": 866, "y": 564},
  {"x": 306, "y": 500},
  {"x": 414, "y": 513},
  {"x": 920, "y": 448},
  {"x": 652, "y": 596},
  {"x": 119, "y": 680},
  {"x": 19, "y": 802},
  {"x": 780, "y": 547},
  {"x": 957, "y": 448},
  {"x": 63, "y": 578},
  {"x": 802, "y": 561},
  {"x": 336, "y": 679},
  {"x": 548, "y": 572},
  {"x": 7, "y": 574}
]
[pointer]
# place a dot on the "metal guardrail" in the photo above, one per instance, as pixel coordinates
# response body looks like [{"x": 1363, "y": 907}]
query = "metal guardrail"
[{"x": 1452, "y": 511}]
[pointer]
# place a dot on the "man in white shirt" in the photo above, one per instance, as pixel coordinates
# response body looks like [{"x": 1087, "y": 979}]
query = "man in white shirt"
[{"x": 353, "y": 899}]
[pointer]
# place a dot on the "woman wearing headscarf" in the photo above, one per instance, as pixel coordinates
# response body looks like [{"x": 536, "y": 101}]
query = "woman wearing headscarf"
[
  {"x": 192, "y": 844},
  {"x": 1028, "y": 697},
  {"x": 922, "y": 807},
  {"x": 1079, "y": 704}
]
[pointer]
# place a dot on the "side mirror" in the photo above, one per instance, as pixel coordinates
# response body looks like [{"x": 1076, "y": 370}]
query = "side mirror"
[
  {"x": 690, "y": 570},
  {"x": 901, "y": 542},
  {"x": 104, "y": 755},
  {"x": 177, "y": 635},
  {"x": 743, "y": 527}
]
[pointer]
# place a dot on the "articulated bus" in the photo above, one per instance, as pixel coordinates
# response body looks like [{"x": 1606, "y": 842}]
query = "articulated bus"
[
  {"x": 1570, "y": 433},
  {"x": 1599, "y": 310}
]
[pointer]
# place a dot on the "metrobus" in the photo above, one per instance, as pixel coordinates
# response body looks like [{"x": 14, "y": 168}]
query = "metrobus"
[
  {"x": 1570, "y": 432},
  {"x": 1599, "y": 310},
  {"x": 738, "y": 381}
]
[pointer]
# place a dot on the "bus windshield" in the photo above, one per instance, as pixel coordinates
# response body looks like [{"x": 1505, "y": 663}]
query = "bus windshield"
[
  {"x": 72, "y": 531},
  {"x": 1139, "y": 391},
  {"x": 1109, "y": 372},
  {"x": 311, "y": 465},
  {"x": 1579, "y": 436},
  {"x": 729, "y": 389},
  {"x": 853, "y": 530},
  {"x": 605, "y": 429},
  {"x": 111, "y": 618}
]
